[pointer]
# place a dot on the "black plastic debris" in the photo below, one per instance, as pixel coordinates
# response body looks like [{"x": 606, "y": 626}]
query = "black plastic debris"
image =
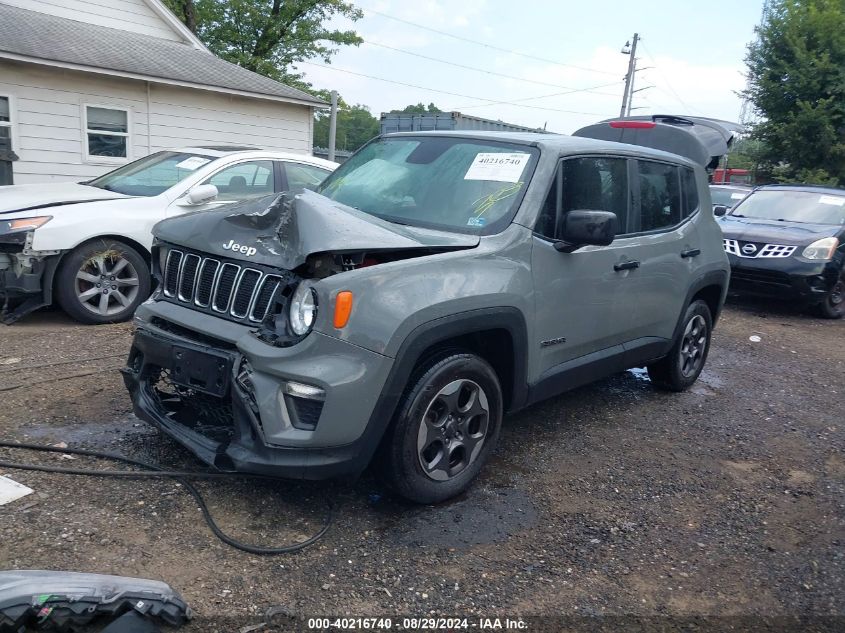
[{"x": 66, "y": 601}]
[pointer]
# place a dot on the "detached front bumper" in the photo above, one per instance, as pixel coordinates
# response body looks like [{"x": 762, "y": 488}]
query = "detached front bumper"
[
  {"x": 252, "y": 423},
  {"x": 24, "y": 289},
  {"x": 787, "y": 278}
]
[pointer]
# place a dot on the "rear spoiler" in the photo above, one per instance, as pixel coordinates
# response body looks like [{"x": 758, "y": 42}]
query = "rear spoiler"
[{"x": 700, "y": 139}]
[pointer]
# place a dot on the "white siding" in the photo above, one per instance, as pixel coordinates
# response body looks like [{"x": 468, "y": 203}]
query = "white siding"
[
  {"x": 48, "y": 103},
  {"x": 127, "y": 15}
]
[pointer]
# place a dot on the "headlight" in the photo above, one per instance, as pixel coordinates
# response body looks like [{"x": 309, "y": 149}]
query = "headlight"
[
  {"x": 303, "y": 309},
  {"x": 821, "y": 249},
  {"x": 23, "y": 224}
]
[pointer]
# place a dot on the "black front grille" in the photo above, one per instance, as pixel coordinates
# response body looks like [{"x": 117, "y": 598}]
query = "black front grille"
[
  {"x": 208, "y": 415},
  {"x": 760, "y": 276},
  {"x": 228, "y": 289}
]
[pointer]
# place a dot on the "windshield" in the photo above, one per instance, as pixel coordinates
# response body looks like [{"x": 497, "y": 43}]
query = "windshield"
[
  {"x": 151, "y": 175},
  {"x": 794, "y": 206},
  {"x": 456, "y": 184},
  {"x": 727, "y": 197}
]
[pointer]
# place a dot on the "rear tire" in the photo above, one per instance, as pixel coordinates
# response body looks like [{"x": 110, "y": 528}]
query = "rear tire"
[
  {"x": 446, "y": 428},
  {"x": 680, "y": 368},
  {"x": 833, "y": 306},
  {"x": 102, "y": 281}
]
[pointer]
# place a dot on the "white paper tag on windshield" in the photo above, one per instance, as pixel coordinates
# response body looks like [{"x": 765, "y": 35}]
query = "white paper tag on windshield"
[
  {"x": 11, "y": 490},
  {"x": 737, "y": 196},
  {"x": 497, "y": 166},
  {"x": 192, "y": 163},
  {"x": 835, "y": 200}
]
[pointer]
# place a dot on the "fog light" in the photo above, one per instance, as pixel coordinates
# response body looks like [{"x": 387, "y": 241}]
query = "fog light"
[
  {"x": 300, "y": 390},
  {"x": 301, "y": 405}
]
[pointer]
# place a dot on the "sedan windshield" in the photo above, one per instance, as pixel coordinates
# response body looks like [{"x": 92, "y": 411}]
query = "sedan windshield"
[
  {"x": 440, "y": 182},
  {"x": 794, "y": 206},
  {"x": 151, "y": 175}
]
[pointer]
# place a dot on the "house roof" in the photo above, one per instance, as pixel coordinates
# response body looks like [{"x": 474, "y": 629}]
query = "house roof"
[{"x": 37, "y": 37}]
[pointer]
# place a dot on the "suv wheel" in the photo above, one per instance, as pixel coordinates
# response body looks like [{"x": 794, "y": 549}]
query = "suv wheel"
[
  {"x": 833, "y": 306},
  {"x": 446, "y": 428},
  {"x": 102, "y": 281},
  {"x": 681, "y": 367}
]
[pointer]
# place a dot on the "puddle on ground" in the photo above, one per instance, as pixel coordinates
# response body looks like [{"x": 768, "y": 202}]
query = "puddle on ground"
[
  {"x": 639, "y": 373},
  {"x": 96, "y": 434},
  {"x": 478, "y": 517}
]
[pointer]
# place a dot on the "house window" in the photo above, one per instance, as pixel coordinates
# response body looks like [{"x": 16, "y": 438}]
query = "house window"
[
  {"x": 106, "y": 132},
  {"x": 6, "y": 156}
]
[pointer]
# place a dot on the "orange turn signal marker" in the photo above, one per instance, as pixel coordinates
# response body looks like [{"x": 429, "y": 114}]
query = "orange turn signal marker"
[{"x": 342, "y": 308}]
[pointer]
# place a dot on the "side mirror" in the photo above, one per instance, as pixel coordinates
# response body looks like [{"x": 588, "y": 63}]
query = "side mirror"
[
  {"x": 200, "y": 195},
  {"x": 582, "y": 228},
  {"x": 719, "y": 210}
]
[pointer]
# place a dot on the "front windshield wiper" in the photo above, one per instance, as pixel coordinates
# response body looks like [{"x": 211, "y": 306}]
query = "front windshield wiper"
[{"x": 737, "y": 215}]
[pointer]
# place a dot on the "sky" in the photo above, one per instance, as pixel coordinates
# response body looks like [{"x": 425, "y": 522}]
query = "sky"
[{"x": 534, "y": 54}]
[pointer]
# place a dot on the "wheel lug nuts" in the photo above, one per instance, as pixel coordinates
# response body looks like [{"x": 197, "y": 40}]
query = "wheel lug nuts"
[{"x": 98, "y": 285}]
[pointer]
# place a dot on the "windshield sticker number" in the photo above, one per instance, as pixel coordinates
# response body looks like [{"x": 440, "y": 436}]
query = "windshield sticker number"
[
  {"x": 834, "y": 200},
  {"x": 737, "y": 196},
  {"x": 502, "y": 167},
  {"x": 192, "y": 163},
  {"x": 478, "y": 222}
]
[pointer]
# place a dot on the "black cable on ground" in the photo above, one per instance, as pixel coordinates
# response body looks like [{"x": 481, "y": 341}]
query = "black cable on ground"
[{"x": 153, "y": 470}]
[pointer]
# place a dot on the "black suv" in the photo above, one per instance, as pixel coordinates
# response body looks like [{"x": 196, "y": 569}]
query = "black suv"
[{"x": 788, "y": 241}]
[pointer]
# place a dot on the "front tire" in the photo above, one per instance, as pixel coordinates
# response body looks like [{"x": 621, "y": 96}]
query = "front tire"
[
  {"x": 445, "y": 430},
  {"x": 102, "y": 281},
  {"x": 833, "y": 306},
  {"x": 680, "y": 368}
]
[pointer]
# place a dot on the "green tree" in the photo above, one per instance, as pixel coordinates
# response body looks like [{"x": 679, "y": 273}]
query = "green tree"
[
  {"x": 355, "y": 126},
  {"x": 796, "y": 82},
  {"x": 418, "y": 109},
  {"x": 268, "y": 36}
]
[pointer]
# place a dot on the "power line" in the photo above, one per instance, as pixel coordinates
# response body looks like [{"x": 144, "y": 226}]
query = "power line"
[
  {"x": 547, "y": 96},
  {"x": 665, "y": 79},
  {"x": 486, "y": 45},
  {"x": 490, "y": 72},
  {"x": 455, "y": 94}
]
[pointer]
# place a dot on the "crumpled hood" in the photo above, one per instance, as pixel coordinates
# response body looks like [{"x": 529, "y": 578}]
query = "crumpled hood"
[
  {"x": 36, "y": 197},
  {"x": 774, "y": 232},
  {"x": 284, "y": 230}
]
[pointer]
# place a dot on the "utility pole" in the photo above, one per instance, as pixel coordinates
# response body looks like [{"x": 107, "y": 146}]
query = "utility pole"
[
  {"x": 629, "y": 77},
  {"x": 333, "y": 125},
  {"x": 633, "y": 78}
]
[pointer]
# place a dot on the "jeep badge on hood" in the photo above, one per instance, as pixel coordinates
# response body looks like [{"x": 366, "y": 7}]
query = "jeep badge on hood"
[{"x": 233, "y": 246}]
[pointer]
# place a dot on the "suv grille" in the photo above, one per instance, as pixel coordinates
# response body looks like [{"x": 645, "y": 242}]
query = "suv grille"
[
  {"x": 228, "y": 290},
  {"x": 753, "y": 250}
]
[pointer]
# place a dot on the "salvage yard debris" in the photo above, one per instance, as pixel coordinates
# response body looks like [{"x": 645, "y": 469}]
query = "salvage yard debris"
[{"x": 11, "y": 490}]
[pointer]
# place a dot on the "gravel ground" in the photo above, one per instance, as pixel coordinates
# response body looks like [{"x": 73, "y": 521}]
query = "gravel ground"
[{"x": 615, "y": 499}]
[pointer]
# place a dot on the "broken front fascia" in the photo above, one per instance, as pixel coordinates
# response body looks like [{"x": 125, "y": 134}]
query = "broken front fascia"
[
  {"x": 69, "y": 599},
  {"x": 26, "y": 277}
]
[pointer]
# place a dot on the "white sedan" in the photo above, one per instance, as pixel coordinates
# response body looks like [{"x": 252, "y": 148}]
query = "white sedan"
[{"x": 89, "y": 242}]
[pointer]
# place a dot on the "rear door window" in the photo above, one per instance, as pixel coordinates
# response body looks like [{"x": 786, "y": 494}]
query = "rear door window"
[
  {"x": 660, "y": 195},
  {"x": 690, "y": 191}
]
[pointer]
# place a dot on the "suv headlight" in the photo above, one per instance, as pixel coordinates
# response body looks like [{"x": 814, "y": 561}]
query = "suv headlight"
[
  {"x": 821, "y": 249},
  {"x": 303, "y": 309}
]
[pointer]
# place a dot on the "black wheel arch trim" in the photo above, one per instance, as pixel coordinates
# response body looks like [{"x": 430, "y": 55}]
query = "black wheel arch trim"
[
  {"x": 429, "y": 334},
  {"x": 713, "y": 278}
]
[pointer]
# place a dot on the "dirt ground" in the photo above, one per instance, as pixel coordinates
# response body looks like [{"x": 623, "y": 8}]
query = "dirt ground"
[{"x": 616, "y": 499}]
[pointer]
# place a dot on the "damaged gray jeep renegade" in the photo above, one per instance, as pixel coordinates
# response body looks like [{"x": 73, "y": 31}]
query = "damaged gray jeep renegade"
[{"x": 432, "y": 283}]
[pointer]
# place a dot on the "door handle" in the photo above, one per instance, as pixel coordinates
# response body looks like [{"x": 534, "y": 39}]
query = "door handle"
[
  {"x": 692, "y": 252},
  {"x": 629, "y": 265}
]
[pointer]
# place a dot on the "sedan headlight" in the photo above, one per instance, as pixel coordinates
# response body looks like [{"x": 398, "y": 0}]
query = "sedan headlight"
[
  {"x": 821, "y": 249},
  {"x": 303, "y": 309},
  {"x": 21, "y": 225}
]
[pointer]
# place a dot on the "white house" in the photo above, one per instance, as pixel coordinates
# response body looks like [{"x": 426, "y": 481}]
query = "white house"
[{"x": 86, "y": 85}]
